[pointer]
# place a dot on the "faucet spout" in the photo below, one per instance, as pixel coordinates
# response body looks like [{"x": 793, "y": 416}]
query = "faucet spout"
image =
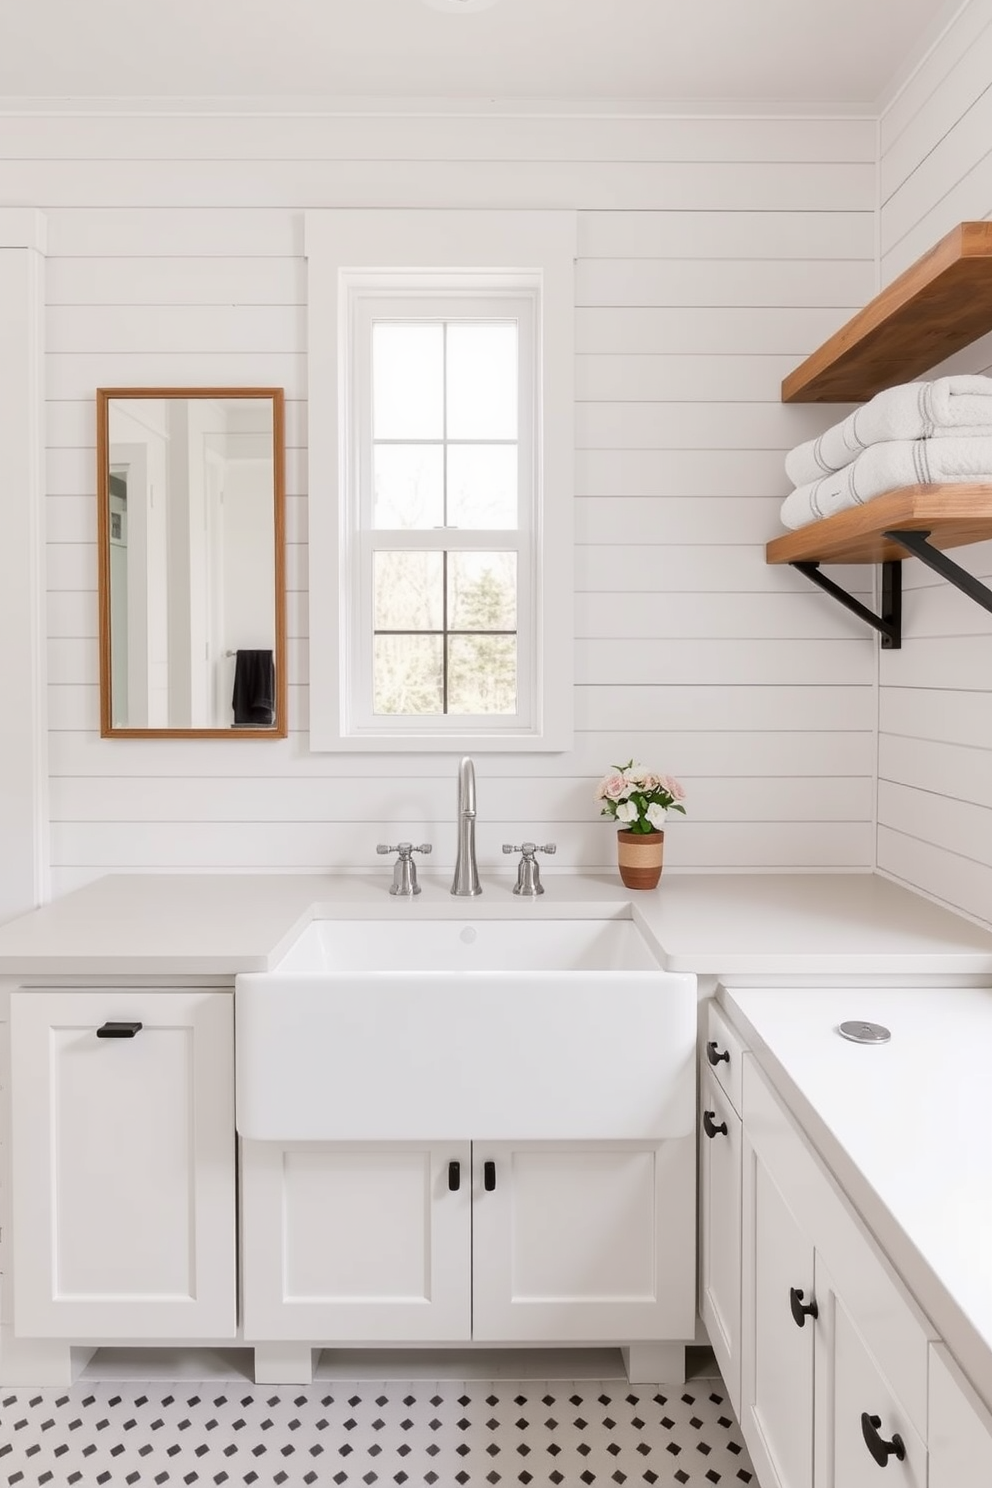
[{"x": 466, "y": 879}]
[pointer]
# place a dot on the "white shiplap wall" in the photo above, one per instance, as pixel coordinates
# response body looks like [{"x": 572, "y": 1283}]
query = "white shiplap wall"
[
  {"x": 935, "y": 697},
  {"x": 713, "y": 255}
]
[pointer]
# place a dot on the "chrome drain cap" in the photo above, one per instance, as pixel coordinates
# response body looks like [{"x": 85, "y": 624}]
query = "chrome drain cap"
[{"x": 865, "y": 1033}]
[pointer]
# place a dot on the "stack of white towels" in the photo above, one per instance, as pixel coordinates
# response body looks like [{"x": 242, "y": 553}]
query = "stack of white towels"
[{"x": 920, "y": 433}]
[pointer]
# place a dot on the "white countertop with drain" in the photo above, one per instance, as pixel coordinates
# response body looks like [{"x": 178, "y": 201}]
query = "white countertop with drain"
[{"x": 906, "y": 1128}]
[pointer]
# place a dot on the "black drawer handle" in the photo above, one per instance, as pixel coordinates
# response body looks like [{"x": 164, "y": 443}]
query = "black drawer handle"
[
  {"x": 118, "y": 1030},
  {"x": 489, "y": 1176},
  {"x": 710, "y": 1127},
  {"x": 800, "y": 1310},
  {"x": 712, "y": 1055},
  {"x": 454, "y": 1176},
  {"x": 881, "y": 1450}
]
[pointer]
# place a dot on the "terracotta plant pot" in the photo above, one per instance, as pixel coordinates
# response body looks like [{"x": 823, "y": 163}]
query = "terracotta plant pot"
[{"x": 639, "y": 858}]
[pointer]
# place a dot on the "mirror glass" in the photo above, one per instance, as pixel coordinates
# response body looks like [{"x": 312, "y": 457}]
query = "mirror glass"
[{"x": 192, "y": 587}]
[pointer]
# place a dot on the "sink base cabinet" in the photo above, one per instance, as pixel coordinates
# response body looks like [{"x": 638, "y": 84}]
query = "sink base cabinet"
[
  {"x": 123, "y": 1156},
  {"x": 524, "y": 1242}
]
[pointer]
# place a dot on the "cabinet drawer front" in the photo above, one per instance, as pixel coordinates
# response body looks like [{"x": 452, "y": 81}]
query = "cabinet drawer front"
[
  {"x": 885, "y": 1315},
  {"x": 723, "y": 1053},
  {"x": 123, "y": 1164}
]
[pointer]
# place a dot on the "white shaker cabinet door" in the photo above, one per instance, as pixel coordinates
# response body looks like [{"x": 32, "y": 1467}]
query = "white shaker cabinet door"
[
  {"x": 777, "y": 1336},
  {"x": 356, "y": 1243},
  {"x": 720, "y": 1230},
  {"x": 582, "y": 1242},
  {"x": 959, "y": 1428},
  {"x": 123, "y": 1164}
]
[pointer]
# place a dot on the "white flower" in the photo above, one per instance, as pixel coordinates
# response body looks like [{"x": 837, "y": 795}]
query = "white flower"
[
  {"x": 656, "y": 816},
  {"x": 627, "y": 812}
]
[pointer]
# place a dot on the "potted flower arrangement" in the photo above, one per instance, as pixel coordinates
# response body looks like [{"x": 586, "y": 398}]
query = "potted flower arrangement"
[{"x": 639, "y": 800}]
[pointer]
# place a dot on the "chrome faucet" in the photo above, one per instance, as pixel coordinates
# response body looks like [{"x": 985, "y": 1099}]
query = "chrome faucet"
[{"x": 466, "y": 880}]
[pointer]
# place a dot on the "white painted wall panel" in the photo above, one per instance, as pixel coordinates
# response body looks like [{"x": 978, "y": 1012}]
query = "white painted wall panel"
[
  {"x": 935, "y": 698},
  {"x": 713, "y": 254}
]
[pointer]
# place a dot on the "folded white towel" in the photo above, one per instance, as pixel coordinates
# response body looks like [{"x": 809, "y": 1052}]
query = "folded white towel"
[
  {"x": 889, "y": 467},
  {"x": 960, "y": 406}
]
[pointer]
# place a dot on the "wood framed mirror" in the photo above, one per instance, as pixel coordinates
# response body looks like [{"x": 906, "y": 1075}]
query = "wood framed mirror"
[{"x": 192, "y": 575}]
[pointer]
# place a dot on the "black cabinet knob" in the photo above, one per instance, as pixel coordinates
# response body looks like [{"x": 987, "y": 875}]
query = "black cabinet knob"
[
  {"x": 713, "y": 1056},
  {"x": 454, "y": 1176},
  {"x": 711, "y": 1128},
  {"x": 489, "y": 1176},
  {"x": 800, "y": 1310},
  {"x": 118, "y": 1030},
  {"x": 880, "y": 1449}
]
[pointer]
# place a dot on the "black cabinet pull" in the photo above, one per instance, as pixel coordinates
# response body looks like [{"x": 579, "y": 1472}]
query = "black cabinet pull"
[
  {"x": 881, "y": 1450},
  {"x": 713, "y": 1056},
  {"x": 454, "y": 1176},
  {"x": 801, "y": 1311},
  {"x": 710, "y": 1127},
  {"x": 489, "y": 1176},
  {"x": 118, "y": 1030}
]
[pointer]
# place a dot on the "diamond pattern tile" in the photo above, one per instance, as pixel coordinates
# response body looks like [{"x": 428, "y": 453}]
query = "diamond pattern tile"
[{"x": 474, "y": 1434}]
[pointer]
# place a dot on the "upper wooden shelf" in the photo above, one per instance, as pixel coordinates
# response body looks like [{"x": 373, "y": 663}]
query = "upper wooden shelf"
[
  {"x": 940, "y": 304},
  {"x": 953, "y": 515}
]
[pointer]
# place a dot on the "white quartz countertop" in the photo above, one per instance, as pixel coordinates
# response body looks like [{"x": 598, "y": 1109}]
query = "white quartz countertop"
[
  {"x": 905, "y": 1128},
  {"x": 720, "y": 924}
]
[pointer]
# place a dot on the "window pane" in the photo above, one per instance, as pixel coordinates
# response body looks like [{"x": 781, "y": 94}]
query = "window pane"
[
  {"x": 407, "y": 674},
  {"x": 482, "y": 674},
  {"x": 482, "y": 485},
  {"x": 408, "y": 485},
  {"x": 407, "y": 380},
  {"x": 482, "y": 591},
  {"x": 409, "y": 591},
  {"x": 482, "y": 380}
]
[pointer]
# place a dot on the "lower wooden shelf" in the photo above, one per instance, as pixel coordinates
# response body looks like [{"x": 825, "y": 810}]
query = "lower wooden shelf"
[{"x": 952, "y": 515}]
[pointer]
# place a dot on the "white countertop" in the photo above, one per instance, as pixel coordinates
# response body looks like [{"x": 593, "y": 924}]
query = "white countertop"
[
  {"x": 719, "y": 924},
  {"x": 904, "y": 1126}
]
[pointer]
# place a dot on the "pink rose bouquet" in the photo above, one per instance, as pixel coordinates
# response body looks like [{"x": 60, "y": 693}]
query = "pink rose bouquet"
[{"x": 639, "y": 799}]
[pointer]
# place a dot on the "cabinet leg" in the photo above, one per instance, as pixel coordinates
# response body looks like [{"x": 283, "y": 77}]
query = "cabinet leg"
[
  {"x": 655, "y": 1363},
  {"x": 283, "y": 1364},
  {"x": 39, "y": 1361}
]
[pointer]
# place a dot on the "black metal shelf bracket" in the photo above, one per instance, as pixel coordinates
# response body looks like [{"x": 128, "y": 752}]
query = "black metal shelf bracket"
[
  {"x": 889, "y": 622},
  {"x": 919, "y": 546}
]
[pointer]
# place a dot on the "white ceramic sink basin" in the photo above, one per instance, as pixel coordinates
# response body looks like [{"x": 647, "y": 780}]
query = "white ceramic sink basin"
[
  {"x": 476, "y": 945},
  {"x": 439, "y": 1030}
]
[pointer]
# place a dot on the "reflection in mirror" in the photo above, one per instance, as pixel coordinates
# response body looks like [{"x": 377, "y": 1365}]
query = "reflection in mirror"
[{"x": 192, "y": 589}]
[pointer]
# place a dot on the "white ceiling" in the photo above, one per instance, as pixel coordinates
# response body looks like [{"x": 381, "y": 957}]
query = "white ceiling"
[{"x": 758, "y": 52}]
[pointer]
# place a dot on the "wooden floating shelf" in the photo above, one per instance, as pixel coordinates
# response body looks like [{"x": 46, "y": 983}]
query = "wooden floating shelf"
[
  {"x": 952, "y": 515},
  {"x": 940, "y": 304}
]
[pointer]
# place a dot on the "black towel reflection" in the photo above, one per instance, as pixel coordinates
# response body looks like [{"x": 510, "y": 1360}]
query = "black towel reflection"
[{"x": 254, "y": 697}]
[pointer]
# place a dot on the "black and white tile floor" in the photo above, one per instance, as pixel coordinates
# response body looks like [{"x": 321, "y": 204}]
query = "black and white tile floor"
[{"x": 472, "y": 1432}]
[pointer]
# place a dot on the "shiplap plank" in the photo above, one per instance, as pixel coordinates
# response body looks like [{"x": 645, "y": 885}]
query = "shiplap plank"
[
  {"x": 716, "y": 235},
  {"x": 944, "y": 717},
  {"x": 920, "y": 91},
  {"x": 626, "y": 185},
  {"x": 686, "y": 378},
  {"x": 737, "y": 755},
  {"x": 157, "y": 231},
  {"x": 343, "y": 137},
  {"x": 78, "y": 375},
  {"x": 733, "y": 282},
  {"x": 72, "y": 329},
  {"x": 964, "y": 663},
  {"x": 176, "y": 281},
  {"x": 961, "y": 90},
  {"x": 670, "y": 568},
  {"x": 960, "y": 827},
  {"x": 709, "y": 425},
  {"x": 941, "y": 610},
  {"x": 963, "y": 773},
  {"x": 908, "y": 230},
  {"x": 953, "y": 880},
  {"x": 725, "y": 661},
  {"x": 653, "y": 616},
  {"x": 674, "y": 519},
  {"x": 948, "y": 162},
  {"x": 72, "y": 614},
  {"x": 309, "y": 846},
  {"x": 695, "y": 330},
  {"x": 756, "y": 474}
]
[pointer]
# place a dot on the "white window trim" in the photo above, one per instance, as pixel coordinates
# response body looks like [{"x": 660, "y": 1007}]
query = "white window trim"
[{"x": 431, "y": 249}]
